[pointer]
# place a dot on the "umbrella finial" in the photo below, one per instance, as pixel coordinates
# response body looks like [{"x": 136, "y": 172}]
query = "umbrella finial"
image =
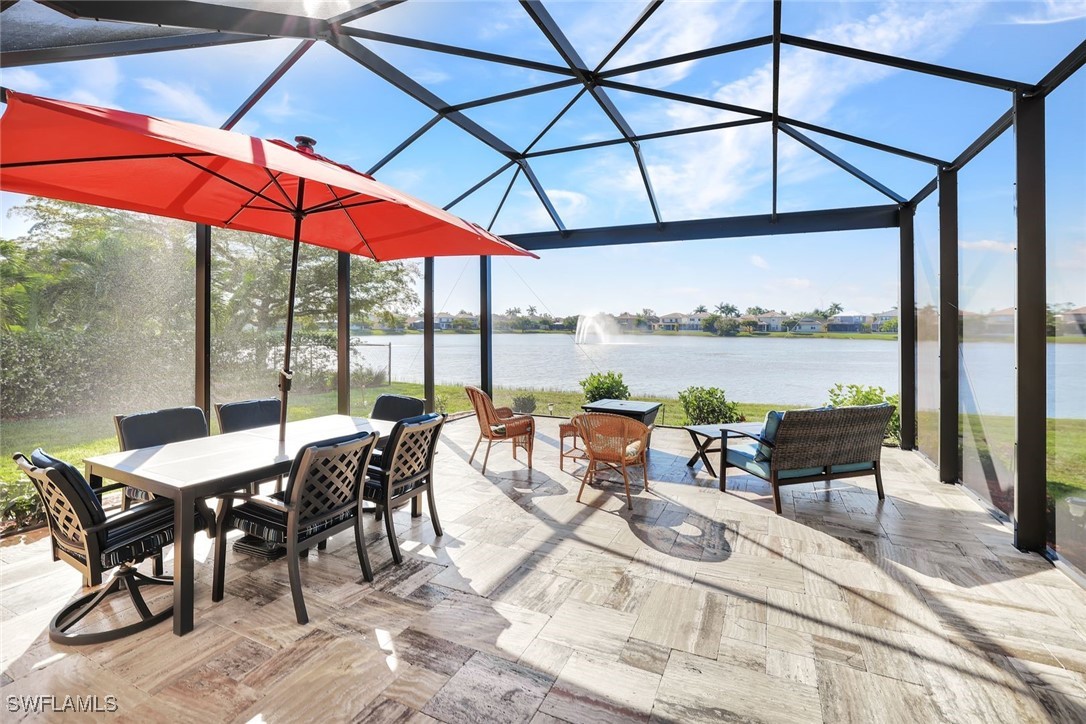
[{"x": 305, "y": 143}]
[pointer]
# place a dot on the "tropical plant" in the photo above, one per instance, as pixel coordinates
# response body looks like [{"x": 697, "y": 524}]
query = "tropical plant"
[
  {"x": 709, "y": 324},
  {"x": 708, "y": 406},
  {"x": 890, "y": 326},
  {"x": 700, "y": 309},
  {"x": 842, "y": 395},
  {"x": 755, "y": 311},
  {"x": 604, "y": 386},
  {"x": 531, "y": 311},
  {"x": 727, "y": 310}
]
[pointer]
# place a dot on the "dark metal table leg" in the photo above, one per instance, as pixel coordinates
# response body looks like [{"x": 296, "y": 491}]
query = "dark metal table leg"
[{"x": 183, "y": 513}]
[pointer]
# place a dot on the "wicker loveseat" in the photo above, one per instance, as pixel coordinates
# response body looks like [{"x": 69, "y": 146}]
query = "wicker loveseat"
[{"x": 804, "y": 446}]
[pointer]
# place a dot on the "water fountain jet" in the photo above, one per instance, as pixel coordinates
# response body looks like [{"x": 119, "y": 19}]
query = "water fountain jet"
[{"x": 597, "y": 328}]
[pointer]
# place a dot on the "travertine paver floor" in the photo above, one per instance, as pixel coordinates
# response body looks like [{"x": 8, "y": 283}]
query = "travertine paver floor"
[{"x": 697, "y": 606}]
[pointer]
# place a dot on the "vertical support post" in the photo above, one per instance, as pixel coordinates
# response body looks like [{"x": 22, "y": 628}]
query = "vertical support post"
[
  {"x": 343, "y": 332},
  {"x": 906, "y": 327},
  {"x": 948, "y": 325},
  {"x": 1030, "y": 343},
  {"x": 202, "y": 376},
  {"x": 428, "y": 333},
  {"x": 486, "y": 335}
]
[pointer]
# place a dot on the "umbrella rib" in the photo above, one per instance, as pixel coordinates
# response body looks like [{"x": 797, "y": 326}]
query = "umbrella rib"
[
  {"x": 332, "y": 203},
  {"x": 340, "y": 205},
  {"x": 96, "y": 159},
  {"x": 275, "y": 180},
  {"x": 243, "y": 207},
  {"x": 357, "y": 230},
  {"x": 241, "y": 186}
]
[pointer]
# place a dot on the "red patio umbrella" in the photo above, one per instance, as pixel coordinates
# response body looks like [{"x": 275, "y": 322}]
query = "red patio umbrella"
[{"x": 122, "y": 160}]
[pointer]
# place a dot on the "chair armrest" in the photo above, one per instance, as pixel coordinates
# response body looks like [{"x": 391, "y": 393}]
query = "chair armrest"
[
  {"x": 503, "y": 411},
  {"x": 269, "y": 502},
  {"x": 108, "y": 488},
  {"x": 125, "y": 517},
  {"x": 740, "y": 433}
]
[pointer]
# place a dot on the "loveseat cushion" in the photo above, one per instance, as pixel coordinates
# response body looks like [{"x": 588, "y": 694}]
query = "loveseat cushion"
[
  {"x": 769, "y": 434},
  {"x": 744, "y": 457}
]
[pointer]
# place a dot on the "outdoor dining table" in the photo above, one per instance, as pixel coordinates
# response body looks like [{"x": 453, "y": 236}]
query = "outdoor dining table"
[{"x": 205, "y": 467}]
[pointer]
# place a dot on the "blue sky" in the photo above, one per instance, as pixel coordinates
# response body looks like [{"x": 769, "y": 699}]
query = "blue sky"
[{"x": 357, "y": 118}]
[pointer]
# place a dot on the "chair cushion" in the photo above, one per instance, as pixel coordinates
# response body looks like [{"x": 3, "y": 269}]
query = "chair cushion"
[
  {"x": 271, "y": 525},
  {"x": 139, "y": 532},
  {"x": 80, "y": 486},
  {"x": 397, "y": 407},
  {"x": 633, "y": 449},
  {"x": 769, "y": 434},
  {"x": 247, "y": 414},
  {"x": 148, "y": 429},
  {"x": 497, "y": 429},
  {"x": 745, "y": 457}
]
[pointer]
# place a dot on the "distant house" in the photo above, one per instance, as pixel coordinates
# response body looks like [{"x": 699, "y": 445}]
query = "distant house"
[
  {"x": 692, "y": 322},
  {"x": 670, "y": 322},
  {"x": 807, "y": 325},
  {"x": 848, "y": 322},
  {"x": 415, "y": 323},
  {"x": 471, "y": 319},
  {"x": 1074, "y": 320},
  {"x": 626, "y": 321},
  {"x": 999, "y": 321},
  {"x": 443, "y": 320},
  {"x": 771, "y": 322},
  {"x": 883, "y": 317}
]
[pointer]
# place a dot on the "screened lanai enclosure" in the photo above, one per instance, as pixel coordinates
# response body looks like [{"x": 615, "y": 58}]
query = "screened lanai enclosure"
[{"x": 687, "y": 150}]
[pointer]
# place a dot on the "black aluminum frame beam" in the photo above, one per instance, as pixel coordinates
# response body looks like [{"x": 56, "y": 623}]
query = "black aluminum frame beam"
[
  {"x": 190, "y": 14},
  {"x": 1062, "y": 70},
  {"x": 293, "y": 57},
  {"x": 114, "y": 48},
  {"x": 684, "y": 98},
  {"x": 949, "y": 467},
  {"x": 362, "y": 11},
  {"x": 646, "y": 137},
  {"x": 456, "y": 50},
  {"x": 775, "y": 120},
  {"x": 837, "y": 160},
  {"x": 404, "y": 144},
  {"x": 687, "y": 57},
  {"x": 587, "y": 77},
  {"x": 800, "y": 222},
  {"x": 982, "y": 141},
  {"x": 906, "y": 327},
  {"x": 861, "y": 141},
  {"x": 917, "y": 66},
  {"x": 479, "y": 185},
  {"x": 385, "y": 70}
]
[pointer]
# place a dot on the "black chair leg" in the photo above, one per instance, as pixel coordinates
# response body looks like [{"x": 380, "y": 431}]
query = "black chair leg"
[
  {"x": 433, "y": 509},
  {"x": 323, "y": 545},
  {"x": 416, "y": 508},
  {"x": 296, "y": 583},
  {"x": 363, "y": 554},
  {"x": 156, "y": 561},
  {"x": 219, "y": 573},
  {"x": 390, "y": 528}
]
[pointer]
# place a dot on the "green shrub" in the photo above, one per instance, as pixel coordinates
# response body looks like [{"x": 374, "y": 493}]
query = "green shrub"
[
  {"x": 19, "y": 502},
  {"x": 842, "y": 395},
  {"x": 708, "y": 405},
  {"x": 605, "y": 386},
  {"x": 524, "y": 403}
]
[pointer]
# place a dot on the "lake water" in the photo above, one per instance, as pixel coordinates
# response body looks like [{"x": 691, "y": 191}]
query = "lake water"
[{"x": 786, "y": 371}]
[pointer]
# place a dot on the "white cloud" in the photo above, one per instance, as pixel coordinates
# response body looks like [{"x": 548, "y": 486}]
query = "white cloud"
[
  {"x": 759, "y": 261},
  {"x": 22, "y": 79},
  {"x": 281, "y": 109},
  {"x": 796, "y": 283},
  {"x": 180, "y": 101},
  {"x": 429, "y": 76},
  {"x": 721, "y": 173},
  {"x": 1053, "y": 11},
  {"x": 680, "y": 28},
  {"x": 1003, "y": 247},
  {"x": 95, "y": 82}
]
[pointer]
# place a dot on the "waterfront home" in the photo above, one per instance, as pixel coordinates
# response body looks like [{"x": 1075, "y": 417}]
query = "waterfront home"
[
  {"x": 807, "y": 325},
  {"x": 999, "y": 322},
  {"x": 465, "y": 321},
  {"x": 692, "y": 322},
  {"x": 443, "y": 320},
  {"x": 625, "y": 320},
  {"x": 849, "y": 322},
  {"x": 671, "y": 322},
  {"x": 771, "y": 322},
  {"x": 882, "y": 318}
]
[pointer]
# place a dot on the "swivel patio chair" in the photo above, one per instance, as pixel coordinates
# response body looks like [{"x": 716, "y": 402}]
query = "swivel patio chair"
[
  {"x": 615, "y": 442},
  {"x": 83, "y": 536},
  {"x": 499, "y": 424},
  {"x": 322, "y": 498},
  {"x": 397, "y": 407},
  {"x": 404, "y": 472},
  {"x": 157, "y": 427}
]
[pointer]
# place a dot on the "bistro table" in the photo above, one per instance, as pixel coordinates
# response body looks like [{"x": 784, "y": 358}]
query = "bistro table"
[
  {"x": 208, "y": 466},
  {"x": 705, "y": 435}
]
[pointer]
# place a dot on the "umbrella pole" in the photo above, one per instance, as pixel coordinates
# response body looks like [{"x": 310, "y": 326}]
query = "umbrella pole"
[{"x": 285, "y": 373}]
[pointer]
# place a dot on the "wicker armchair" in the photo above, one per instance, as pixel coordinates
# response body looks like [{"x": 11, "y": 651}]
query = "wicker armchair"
[
  {"x": 499, "y": 424},
  {"x": 615, "y": 442}
]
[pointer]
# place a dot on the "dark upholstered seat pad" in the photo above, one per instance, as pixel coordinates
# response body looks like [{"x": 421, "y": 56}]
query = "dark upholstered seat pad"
[
  {"x": 140, "y": 532},
  {"x": 271, "y": 525}
]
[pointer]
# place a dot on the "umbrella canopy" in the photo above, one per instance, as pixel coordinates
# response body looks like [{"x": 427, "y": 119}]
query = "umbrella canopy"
[{"x": 123, "y": 160}]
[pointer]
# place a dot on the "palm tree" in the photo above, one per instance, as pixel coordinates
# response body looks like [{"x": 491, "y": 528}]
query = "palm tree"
[
  {"x": 531, "y": 311},
  {"x": 728, "y": 310},
  {"x": 700, "y": 309},
  {"x": 834, "y": 308},
  {"x": 512, "y": 312},
  {"x": 755, "y": 311}
]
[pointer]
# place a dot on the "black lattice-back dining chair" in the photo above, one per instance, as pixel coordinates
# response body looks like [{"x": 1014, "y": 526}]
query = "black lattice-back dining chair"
[
  {"x": 397, "y": 407},
  {"x": 405, "y": 471},
  {"x": 246, "y": 415},
  {"x": 321, "y": 499},
  {"x": 91, "y": 542},
  {"x": 157, "y": 427}
]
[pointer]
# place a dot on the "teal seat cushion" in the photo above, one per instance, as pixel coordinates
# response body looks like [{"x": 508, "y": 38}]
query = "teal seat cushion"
[
  {"x": 769, "y": 434},
  {"x": 745, "y": 457}
]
